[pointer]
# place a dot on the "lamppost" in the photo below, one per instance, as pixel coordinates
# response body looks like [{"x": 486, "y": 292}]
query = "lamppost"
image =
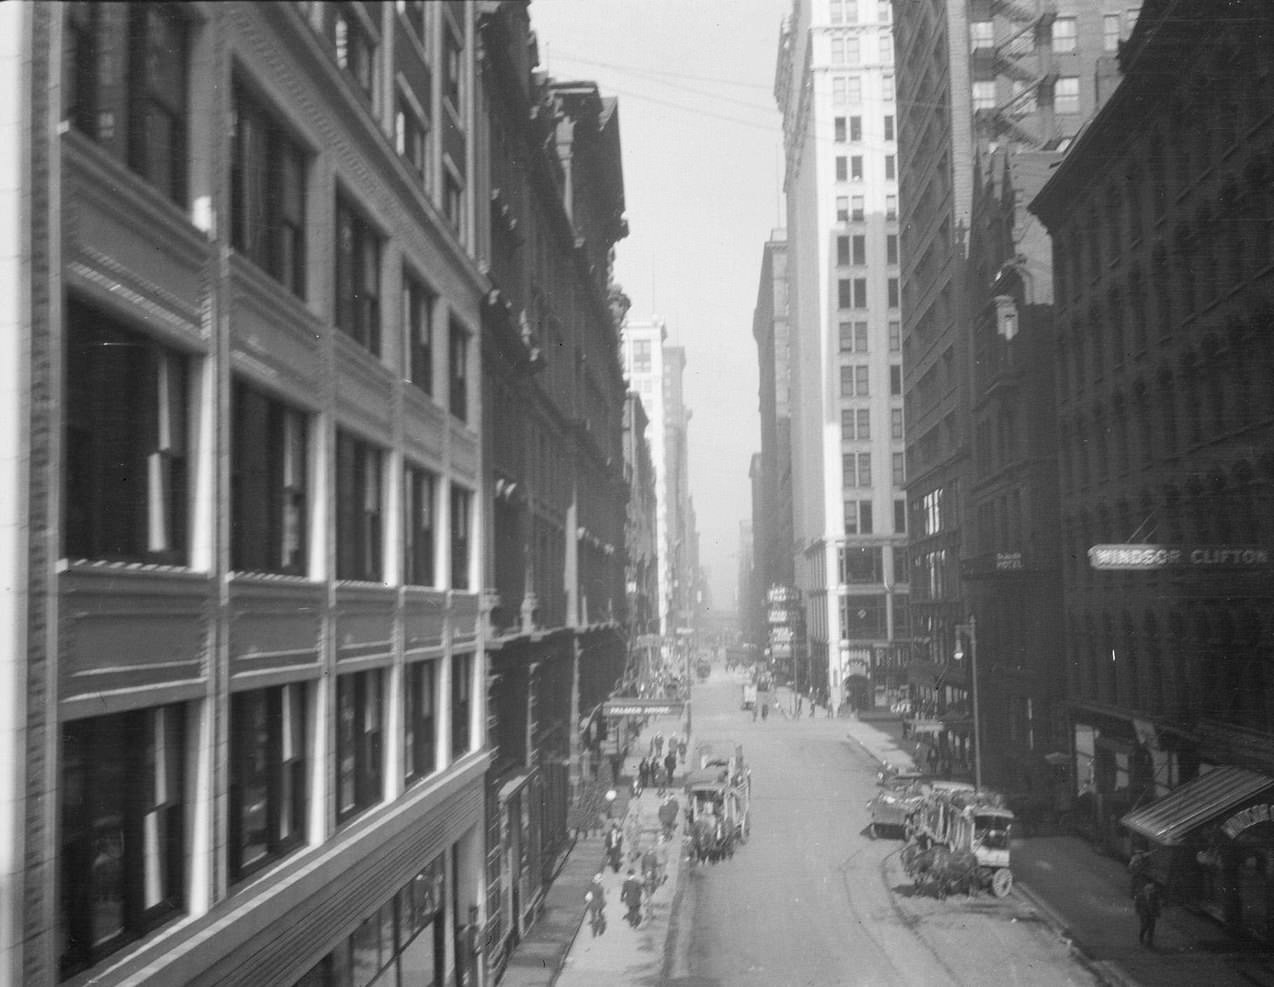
[{"x": 971, "y": 629}]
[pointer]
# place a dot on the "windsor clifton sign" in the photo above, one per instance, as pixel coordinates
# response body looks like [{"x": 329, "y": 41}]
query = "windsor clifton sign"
[{"x": 1131, "y": 556}]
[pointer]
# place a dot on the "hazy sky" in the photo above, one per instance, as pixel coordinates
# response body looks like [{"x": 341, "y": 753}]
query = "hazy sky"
[{"x": 702, "y": 149}]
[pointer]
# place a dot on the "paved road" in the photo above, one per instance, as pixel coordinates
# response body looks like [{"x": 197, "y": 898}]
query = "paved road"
[{"x": 812, "y": 900}]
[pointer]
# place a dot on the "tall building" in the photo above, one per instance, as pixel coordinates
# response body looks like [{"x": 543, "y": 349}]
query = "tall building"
[
  {"x": 244, "y": 739},
  {"x": 772, "y": 467},
  {"x": 1015, "y": 82},
  {"x": 835, "y": 89},
  {"x": 553, "y": 401},
  {"x": 1160, "y": 217}
]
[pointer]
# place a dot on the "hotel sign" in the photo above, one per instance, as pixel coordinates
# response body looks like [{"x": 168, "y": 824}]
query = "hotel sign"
[
  {"x": 641, "y": 707},
  {"x": 1129, "y": 556}
]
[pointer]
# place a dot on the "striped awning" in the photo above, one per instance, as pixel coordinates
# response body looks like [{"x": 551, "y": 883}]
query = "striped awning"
[{"x": 1186, "y": 808}]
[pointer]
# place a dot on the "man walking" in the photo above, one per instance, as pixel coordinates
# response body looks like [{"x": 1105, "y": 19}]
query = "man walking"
[
  {"x": 670, "y": 765},
  {"x": 630, "y": 895},
  {"x": 595, "y": 905},
  {"x": 1148, "y": 906}
]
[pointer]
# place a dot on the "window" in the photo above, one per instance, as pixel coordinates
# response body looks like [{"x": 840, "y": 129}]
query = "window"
[
  {"x": 122, "y": 860},
  {"x": 269, "y": 485},
  {"x": 127, "y": 81},
  {"x": 860, "y": 292},
  {"x": 418, "y": 303},
  {"x": 856, "y": 168},
  {"x": 893, "y": 292},
  {"x": 844, "y": 293},
  {"x": 856, "y": 209},
  {"x": 889, "y": 128},
  {"x": 855, "y": 128},
  {"x": 860, "y": 564},
  {"x": 267, "y": 776},
  {"x": 895, "y": 380},
  {"x": 1066, "y": 95},
  {"x": 981, "y": 34},
  {"x": 891, "y": 207},
  {"x": 842, "y": 209},
  {"x": 863, "y": 418},
  {"x": 1110, "y": 32},
  {"x": 359, "y": 531},
  {"x": 842, "y": 251},
  {"x": 900, "y": 528},
  {"x": 846, "y": 419},
  {"x": 461, "y": 690},
  {"x": 420, "y": 712},
  {"x": 895, "y": 336},
  {"x": 1063, "y": 34},
  {"x": 895, "y": 423},
  {"x": 453, "y": 199},
  {"x": 883, "y": 12},
  {"x": 127, "y": 408},
  {"x": 851, "y": 517},
  {"x": 864, "y": 469},
  {"x": 359, "y": 743},
  {"x": 887, "y": 92},
  {"x": 357, "y": 277},
  {"x": 267, "y": 193},
  {"x": 411, "y": 135},
  {"x": 461, "y": 525},
  {"x": 838, "y": 91},
  {"x": 891, "y": 168},
  {"x": 854, "y": 89},
  {"x": 453, "y": 70},
  {"x": 354, "y": 47},
  {"x": 984, "y": 95},
  {"x": 418, "y": 526},
  {"x": 847, "y": 383},
  {"x": 458, "y": 354},
  {"x": 838, "y": 126},
  {"x": 861, "y": 387},
  {"x": 886, "y": 42},
  {"x": 891, "y": 247},
  {"x": 899, "y": 470},
  {"x": 860, "y": 337},
  {"x": 846, "y": 337},
  {"x": 860, "y": 248},
  {"x": 842, "y": 168},
  {"x": 848, "y": 467},
  {"x": 865, "y": 526}
]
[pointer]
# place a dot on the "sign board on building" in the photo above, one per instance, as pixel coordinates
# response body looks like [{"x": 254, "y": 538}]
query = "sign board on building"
[
  {"x": 641, "y": 707},
  {"x": 1142, "y": 557}
]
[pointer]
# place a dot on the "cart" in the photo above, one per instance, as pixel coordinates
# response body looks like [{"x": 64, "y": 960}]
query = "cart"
[{"x": 961, "y": 839}]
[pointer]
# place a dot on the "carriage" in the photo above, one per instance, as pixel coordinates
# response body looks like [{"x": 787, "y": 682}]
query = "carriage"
[
  {"x": 718, "y": 797},
  {"x": 960, "y": 840}
]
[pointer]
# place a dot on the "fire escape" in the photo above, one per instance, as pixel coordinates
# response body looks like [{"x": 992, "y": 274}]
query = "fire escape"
[{"x": 1024, "y": 58}]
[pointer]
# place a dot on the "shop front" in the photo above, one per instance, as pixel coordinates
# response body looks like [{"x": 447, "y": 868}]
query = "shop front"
[{"x": 1211, "y": 844}]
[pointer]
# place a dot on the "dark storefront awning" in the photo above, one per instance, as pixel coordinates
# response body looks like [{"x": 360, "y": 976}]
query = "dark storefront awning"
[{"x": 1184, "y": 809}]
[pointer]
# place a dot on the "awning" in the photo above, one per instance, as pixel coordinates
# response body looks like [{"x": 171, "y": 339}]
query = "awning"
[{"x": 1186, "y": 808}]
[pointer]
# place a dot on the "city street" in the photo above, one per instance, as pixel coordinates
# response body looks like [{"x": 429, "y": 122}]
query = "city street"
[{"x": 812, "y": 899}]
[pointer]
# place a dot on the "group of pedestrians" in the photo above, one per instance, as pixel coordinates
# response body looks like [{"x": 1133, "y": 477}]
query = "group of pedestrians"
[
  {"x": 636, "y": 890},
  {"x": 653, "y": 770}
]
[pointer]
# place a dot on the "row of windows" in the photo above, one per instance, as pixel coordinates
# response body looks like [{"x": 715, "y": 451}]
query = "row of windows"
[
  {"x": 1064, "y": 92},
  {"x": 130, "y": 410},
  {"x": 850, "y": 129},
  {"x": 858, "y": 520},
  {"x": 852, "y": 250},
  {"x": 852, "y": 337},
  {"x": 851, "y": 293},
  {"x": 847, "y": 49},
  {"x": 1064, "y": 34},
  {"x": 847, "y": 11},
  {"x": 124, "y": 853},
  {"x": 853, "y": 209},
  {"x": 127, "y": 88},
  {"x": 850, "y": 168}
]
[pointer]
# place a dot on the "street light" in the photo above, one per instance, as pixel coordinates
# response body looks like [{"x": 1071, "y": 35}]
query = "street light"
[{"x": 971, "y": 628}]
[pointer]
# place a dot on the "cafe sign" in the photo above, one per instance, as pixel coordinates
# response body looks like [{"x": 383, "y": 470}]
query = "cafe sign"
[{"x": 1144, "y": 557}]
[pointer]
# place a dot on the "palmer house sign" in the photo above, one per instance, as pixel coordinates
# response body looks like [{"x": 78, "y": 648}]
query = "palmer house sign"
[{"x": 1131, "y": 556}]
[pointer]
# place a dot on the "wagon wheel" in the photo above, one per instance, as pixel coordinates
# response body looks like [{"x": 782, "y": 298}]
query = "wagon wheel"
[{"x": 1001, "y": 882}]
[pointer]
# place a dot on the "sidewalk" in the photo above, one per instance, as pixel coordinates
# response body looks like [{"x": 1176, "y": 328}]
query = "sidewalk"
[
  {"x": 1083, "y": 894},
  {"x": 560, "y": 949}
]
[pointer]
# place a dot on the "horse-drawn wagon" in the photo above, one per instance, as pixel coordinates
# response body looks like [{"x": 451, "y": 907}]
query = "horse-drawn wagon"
[{"x": 960, "y": 840}]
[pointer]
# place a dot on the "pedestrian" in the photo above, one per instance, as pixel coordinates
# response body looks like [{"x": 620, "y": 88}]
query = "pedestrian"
[
  {"x": 668, "y": 814},
  {"x": 813, "y": 703},
  {"x": 681, "y": 750},
  {"x": 670, "y": 765},
  {"x": 595, "y": 905},
  {"x": 659, "y": 744},
  {"x": 650, "y": 868},
  {"x": 643, "y": 771},
  {"x": 1148, "y": 905},
  {"x": 630, "y": 895},
  {"x": 613, "y": 843},
  {"x": 1138, "y": 870},
  {"x": 661, "y": 857},
  {"x": 765, "y": 710}
]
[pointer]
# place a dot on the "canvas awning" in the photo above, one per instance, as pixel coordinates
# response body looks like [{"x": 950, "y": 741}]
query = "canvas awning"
[{"x": 1183, "y": 810}]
